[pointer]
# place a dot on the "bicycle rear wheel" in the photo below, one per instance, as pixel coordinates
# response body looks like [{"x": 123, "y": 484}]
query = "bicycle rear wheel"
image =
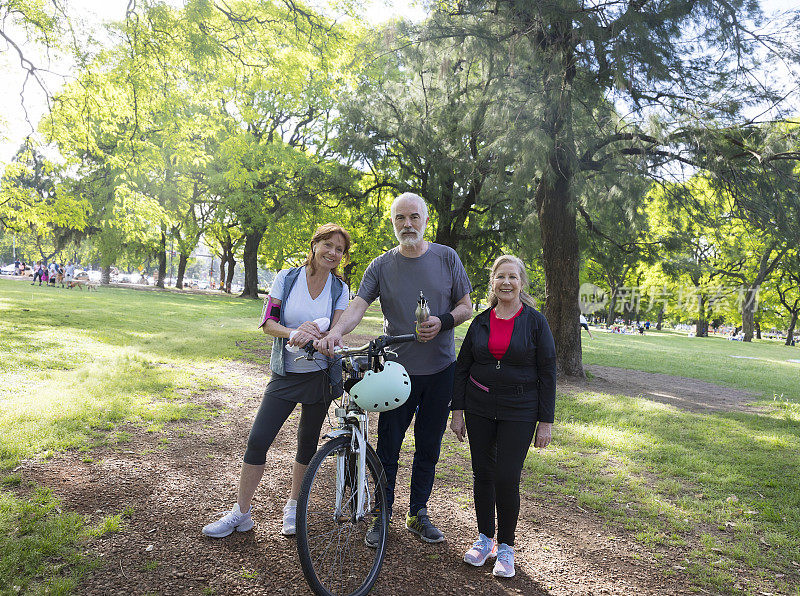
[{"x": 333, "y": 555}]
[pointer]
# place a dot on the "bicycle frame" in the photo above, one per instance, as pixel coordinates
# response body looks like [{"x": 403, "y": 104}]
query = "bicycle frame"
[
  {"x": 353, "y": 422},
  {"x": 348, "y": 466}
]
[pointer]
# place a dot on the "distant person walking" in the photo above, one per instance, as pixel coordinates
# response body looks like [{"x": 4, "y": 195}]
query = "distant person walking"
[
  {"x": 585, "y": 325},
  {"x": 69, "y": 275},
  {"x": 38, "y": 271}
]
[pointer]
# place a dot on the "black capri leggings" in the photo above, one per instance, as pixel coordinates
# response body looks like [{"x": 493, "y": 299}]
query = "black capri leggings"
[
  {"x": 269, "y": 420},
  {"x": 498, "y": 449}
]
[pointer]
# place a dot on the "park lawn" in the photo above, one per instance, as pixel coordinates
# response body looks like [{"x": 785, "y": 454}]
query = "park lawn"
[
  {"x": 762, "y": 366},
  {"x": 77, "y": 368},
  {"x": 80, "y": 368},
  {"x": 723, "y": 486}
]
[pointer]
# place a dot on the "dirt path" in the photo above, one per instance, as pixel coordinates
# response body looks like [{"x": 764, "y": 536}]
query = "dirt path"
[
  {"x": 180, "y": 479},
  {"x": 688, "y": 394}
]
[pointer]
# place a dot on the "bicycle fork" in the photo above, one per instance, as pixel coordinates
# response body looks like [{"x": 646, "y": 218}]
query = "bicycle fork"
[{"x": 353, "y": 474}]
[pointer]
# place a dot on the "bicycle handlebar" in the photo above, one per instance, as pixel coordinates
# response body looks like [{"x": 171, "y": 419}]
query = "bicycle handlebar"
[
  {"x": 379, "y": 343},
  {"x": 399, "y": 339}
]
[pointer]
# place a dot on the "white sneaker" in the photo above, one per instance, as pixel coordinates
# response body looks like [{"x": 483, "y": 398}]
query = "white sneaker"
[
  {"x": 233, "y": 520},
  {"x": 504, "y": 566},
  {"x": 483, "y": 548},
  {"x": 290, "y": 518}
]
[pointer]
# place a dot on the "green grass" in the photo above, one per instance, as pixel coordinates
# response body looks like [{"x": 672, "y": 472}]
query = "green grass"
[
  {"x": 720, "y": 486},
  {"x": 762, "y": 366},
  {"x": 39, "y": 542},
  {"x": 80, "y": 370},
  {"x": 77, "y": 366}
]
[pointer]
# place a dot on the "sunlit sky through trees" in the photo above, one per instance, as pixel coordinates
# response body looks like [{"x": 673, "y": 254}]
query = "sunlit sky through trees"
[{"x": 15, "y": 124}]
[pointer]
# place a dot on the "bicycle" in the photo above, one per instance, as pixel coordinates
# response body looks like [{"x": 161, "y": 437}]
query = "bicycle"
[{"x": 343, "y": 494}]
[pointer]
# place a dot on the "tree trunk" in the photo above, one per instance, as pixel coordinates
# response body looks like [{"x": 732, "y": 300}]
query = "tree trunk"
[
  {"x": 231, "y": 271},
  {"x": 758, "y": 330},
  {"x": 748, "y": 312},
  {"x": 561, "y": 261},
  {"x": 612, "y": 305},
  {"x": 222, "y": 272},
  {"x": 660, "y": 319},
  {"x": 105, "y": 276},
  {"x": 347, "y": 272},
  {"x": 792, "y": 325},
  {"x": 702, "y": 324},
  {"x": 181, "y": 270},
  {"x": 251, "y": 243},
  {"x": 162, "y": 260}
]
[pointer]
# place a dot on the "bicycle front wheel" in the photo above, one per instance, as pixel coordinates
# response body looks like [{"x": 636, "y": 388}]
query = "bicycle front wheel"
[{"x": 335, "y": 559}]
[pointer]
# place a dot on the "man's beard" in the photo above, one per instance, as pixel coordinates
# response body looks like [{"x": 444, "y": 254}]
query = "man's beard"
[{"x": 408, "y": 240}]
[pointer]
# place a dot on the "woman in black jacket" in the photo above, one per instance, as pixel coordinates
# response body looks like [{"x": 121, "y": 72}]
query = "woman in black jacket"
[{"x": 504, "y": 394}]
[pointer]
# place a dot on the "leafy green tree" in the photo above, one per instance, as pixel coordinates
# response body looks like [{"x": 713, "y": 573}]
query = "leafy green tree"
[
  {"x": 418, "y": 120},
  {"x": 753, "y": 173},
  {"x": 616, "y": 236},
  {"x": 563, "y": 57},
  {"x": 36, "y": 202},
  {"x": 786, "y": 287},
  {"x": 275, "y": 88},
  {"x": 30, "y": 26}
]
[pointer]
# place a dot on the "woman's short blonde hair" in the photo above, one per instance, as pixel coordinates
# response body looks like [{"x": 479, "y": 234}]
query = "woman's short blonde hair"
[{"x": 523, "y": 278}]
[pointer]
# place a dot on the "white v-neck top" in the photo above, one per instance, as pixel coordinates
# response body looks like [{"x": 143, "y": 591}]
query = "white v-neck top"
[{"x": 299, "y": 308}]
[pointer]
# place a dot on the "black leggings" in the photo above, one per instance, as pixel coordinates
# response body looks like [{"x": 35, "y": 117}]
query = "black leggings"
[
  {"x": 496, "y": 479},
  {"x": 269, "y": 420}
]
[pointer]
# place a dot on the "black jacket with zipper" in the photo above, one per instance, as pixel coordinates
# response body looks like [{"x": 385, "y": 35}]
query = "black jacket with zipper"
[{"x": 521, "y": 385}]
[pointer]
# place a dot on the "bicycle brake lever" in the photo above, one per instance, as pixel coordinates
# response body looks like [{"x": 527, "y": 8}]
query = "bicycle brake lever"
[{"x": 388, "y": 351}]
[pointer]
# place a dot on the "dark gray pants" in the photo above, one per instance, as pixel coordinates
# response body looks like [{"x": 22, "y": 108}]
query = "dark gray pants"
[{"x": 280, "y": 398}]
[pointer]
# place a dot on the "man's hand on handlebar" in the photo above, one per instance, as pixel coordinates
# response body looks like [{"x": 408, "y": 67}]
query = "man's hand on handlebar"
[{"x": 327, "y": 344}]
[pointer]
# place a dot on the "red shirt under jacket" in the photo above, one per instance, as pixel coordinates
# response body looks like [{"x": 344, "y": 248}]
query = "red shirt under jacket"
[{"x": 500, "y": 333}]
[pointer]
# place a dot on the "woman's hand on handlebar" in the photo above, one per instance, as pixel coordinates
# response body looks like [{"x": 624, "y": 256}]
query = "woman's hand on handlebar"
[{"x": 305, "y": 333}]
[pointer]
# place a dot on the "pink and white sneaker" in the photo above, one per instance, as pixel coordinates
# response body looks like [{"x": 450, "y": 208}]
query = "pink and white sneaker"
[
  {"x": 483, "y": 548},
  {"x": 504, "y": 566}
]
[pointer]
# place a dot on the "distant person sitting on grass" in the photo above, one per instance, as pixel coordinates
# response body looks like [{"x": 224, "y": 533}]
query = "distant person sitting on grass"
[
  {"x": 302, "y": 304},
  {"x": 585, "y": 325}
]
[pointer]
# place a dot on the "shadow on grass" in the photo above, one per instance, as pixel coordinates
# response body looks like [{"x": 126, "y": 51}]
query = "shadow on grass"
[{"x": 723, "y": 484}]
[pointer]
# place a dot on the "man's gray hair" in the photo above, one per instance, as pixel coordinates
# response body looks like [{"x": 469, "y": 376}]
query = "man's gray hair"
[{"x": 410, "y": 195}]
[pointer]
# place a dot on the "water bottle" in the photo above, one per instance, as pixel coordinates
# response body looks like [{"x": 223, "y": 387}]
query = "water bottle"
[{"x": 423, "y": 312}]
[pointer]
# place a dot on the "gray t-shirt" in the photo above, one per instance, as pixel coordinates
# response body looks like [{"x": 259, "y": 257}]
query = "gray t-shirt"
[{"x": 398, "y": 280}]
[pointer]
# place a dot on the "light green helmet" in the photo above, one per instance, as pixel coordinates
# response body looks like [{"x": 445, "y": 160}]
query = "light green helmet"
[{"x": 382, "y": 391}]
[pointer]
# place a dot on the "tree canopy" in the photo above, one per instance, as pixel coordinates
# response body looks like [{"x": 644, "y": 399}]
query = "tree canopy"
[{"x": 629, "y": 144}]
